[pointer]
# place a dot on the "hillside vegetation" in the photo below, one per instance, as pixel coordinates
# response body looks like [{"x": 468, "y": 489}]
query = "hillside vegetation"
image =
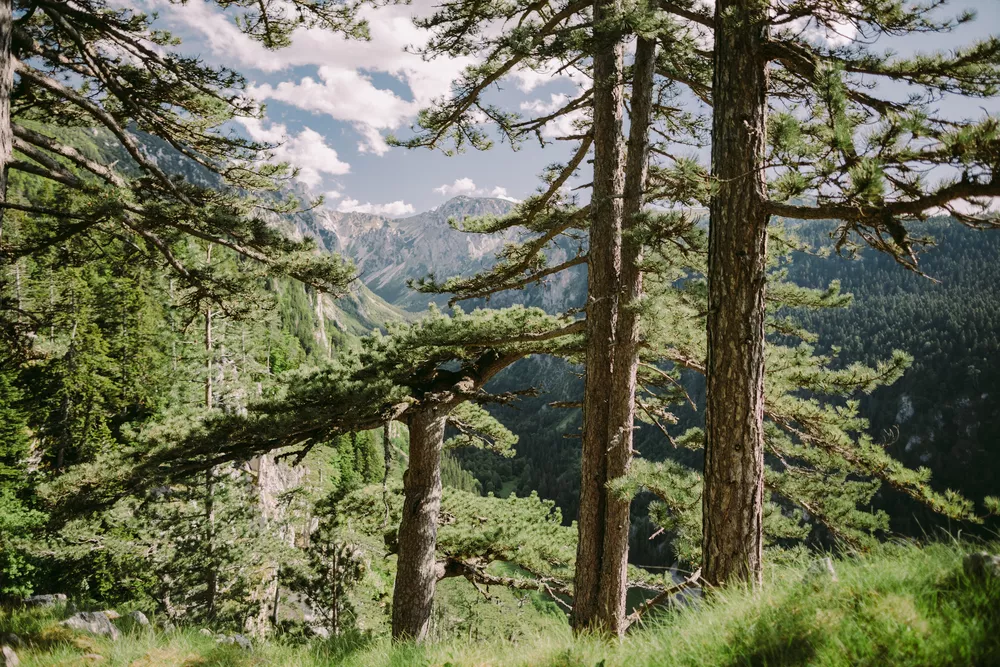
[{"x": 902, "y": 604}]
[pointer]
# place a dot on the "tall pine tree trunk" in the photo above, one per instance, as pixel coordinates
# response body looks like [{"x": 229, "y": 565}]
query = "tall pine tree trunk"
[
  {"x": 614, "y": 564},
  {"x": 212, "y": 568},
  {"x": 6, "y": 85},
  {"x": 416, "y": 569},
  {"x": 603, "y": 267},
  {"x": 734, "y": 448}
]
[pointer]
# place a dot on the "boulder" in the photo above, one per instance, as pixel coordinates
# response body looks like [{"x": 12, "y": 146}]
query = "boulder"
[
  {"x": 112, "y": 614},
  {"x": 821, "y": 570},
  {"x": 94, "y": 622},
  {"x": 206, "y": 632},
  {"x": 223, "y": 639},
  {"x": 47, "y": 600},
  {"x": 12, "y": 640},
  {"x": 137, "y": 618},
  {"x": 243, "y": 642},
  {"x": 981, "y": 565},
  {"x": 8, "y": 658}
]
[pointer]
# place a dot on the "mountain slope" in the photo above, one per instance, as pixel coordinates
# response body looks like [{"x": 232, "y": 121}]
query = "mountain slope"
[{"x": 389, "y": 252}]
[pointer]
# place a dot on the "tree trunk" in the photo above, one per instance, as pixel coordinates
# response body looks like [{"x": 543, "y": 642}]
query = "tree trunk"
[
  {"x": 6, "y": 85},
  {"x": 387, "y": 461},
  {"x": 603, "y": 267},
  {"x": 416, "y": 568},
  {"x": 734, "y": 447},
  {"x": 208, "y": 340},
  {"x": 614, "y": 563},
  {"x": 212, "y": 568}
]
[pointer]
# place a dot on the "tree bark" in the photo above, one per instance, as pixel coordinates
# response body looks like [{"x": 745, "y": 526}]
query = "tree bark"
[
  {"x": 603, "y": 268},
  {"x": 416, "y": 567},
  {"x": 614, "y": 563},
  {"x": 6, "y": 86},
  {"x": 734, "y": 448}
]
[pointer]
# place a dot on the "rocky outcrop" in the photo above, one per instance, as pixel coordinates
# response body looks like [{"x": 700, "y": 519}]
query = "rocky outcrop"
[
  {"x": 981, "y": 566},
  {"x": 135, "y": 619},
  {"x": 47, "y": 600},
  {"x": 820, "y": 571},
  {"x": 94, "y": 622},
  {"x": 8, "y": 658}
]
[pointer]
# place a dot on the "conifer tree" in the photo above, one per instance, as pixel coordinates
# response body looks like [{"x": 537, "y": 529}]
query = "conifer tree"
[
  {"x": 591, "y": 40},
  {"x": 859, "y": 153},
  {"x": 128, "y": 83},
  {"x": 407, "y": 376}
]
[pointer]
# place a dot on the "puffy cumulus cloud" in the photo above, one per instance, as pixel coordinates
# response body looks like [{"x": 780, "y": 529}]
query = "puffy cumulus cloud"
[
  {"x": 307, "y": 150},
  {"x": 466, "y": 186},
  {"x": 501, "y": 193},
  {"x": 339, "y": 89},
  {"x": 393, "y": 209},
  {"x": 461, "y": 186}
]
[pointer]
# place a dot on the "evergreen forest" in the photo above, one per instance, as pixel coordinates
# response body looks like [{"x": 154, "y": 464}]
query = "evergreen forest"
[{"x": 722, "y": 387}]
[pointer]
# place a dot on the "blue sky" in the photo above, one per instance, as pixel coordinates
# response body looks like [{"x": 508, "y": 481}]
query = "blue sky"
[{"x": 332, "y": 101}]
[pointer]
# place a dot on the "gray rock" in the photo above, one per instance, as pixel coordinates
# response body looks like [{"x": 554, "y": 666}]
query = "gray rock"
[
  {"x": 167, "y": 627},
  {"x": 94, "y": 622},
  {"x": 981, "y": 565},
  {"x": 12, "y": 640},
  {"x": 821, "y": 570},
  {"x": 8, "y": 658},
  {"x": 223, "y": 639},
  {"x": 47, "y": 600},
  {"x": 243, "y": 642},
  {"x": 206, "y": 632},
  {"x": 137, "y": 618}
]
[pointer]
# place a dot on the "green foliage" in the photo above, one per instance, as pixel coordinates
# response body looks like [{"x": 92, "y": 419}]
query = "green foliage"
[{"x": 901, "y": 604}]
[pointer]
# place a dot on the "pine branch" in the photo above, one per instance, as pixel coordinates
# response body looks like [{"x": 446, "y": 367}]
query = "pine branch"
[{"x": 662, "y": 597}]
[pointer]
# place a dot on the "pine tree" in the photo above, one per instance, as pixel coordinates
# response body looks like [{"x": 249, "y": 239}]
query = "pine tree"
[
  {"x": 405, "y": 376},
  {"x": 858, "y": 152},
  {"x": 560, "y": 34},
  {"x": 140, "y": 95}
]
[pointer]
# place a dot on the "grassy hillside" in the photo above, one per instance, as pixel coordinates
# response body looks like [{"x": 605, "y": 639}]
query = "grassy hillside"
[{"x": 903, "y": 605}]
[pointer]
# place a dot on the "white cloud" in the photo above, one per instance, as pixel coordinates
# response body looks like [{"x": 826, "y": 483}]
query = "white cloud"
[
  {"x": 306, "y": 150},
  {"x": 560, "y": 126},
  {"x": 461, "y": 186},
  {"x": 333, "y": 194},
  {"x": 340, "y": 89},
  {"x": 393, "y": 209},
  {"x": 501, "y": 193},
  {"x": 466, "y": 186}
]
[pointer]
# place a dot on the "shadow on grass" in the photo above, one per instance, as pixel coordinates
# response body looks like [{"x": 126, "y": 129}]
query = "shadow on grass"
[
  {"x": 974, "y": 605},
  {"x": 783, "y": 640}
]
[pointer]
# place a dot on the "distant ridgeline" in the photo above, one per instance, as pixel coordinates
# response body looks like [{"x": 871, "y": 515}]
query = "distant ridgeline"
[{"x": 943, "y": 414}]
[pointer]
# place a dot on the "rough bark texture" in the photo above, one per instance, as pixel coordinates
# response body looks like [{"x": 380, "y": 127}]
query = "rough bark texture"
[
  {"x": 6, "y": 84},
  {"x": 416, "y": 570},
  {"x": 734, "y": 448},
  {"x": 603, "y": 267},
  {"x": 621, "y": 414}
]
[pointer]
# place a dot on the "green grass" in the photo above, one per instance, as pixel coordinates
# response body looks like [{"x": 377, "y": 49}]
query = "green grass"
[{"x": 902, "y": 605}]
